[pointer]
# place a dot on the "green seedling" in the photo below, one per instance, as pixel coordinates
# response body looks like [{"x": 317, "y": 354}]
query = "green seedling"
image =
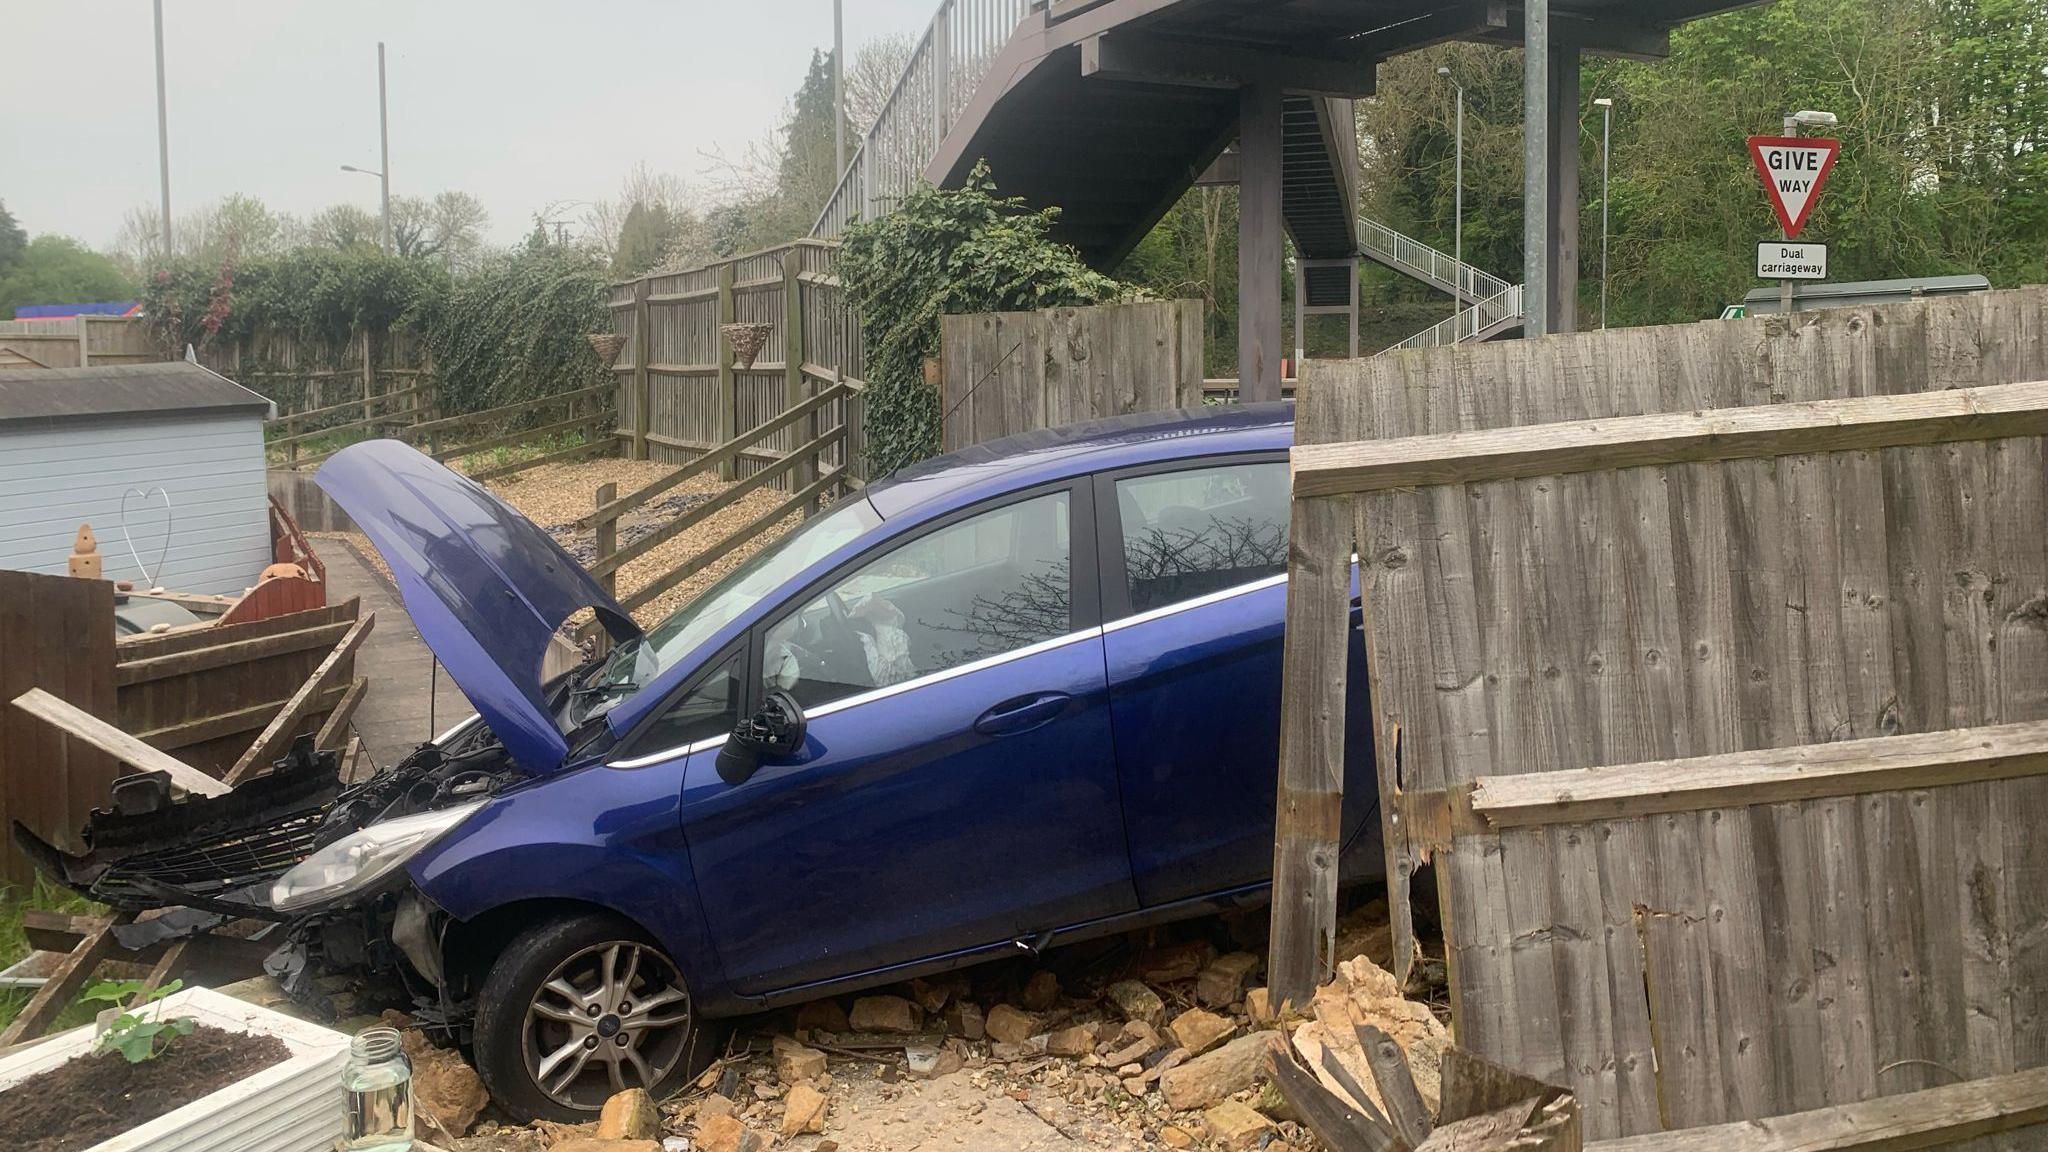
[{"x": 135, "y": 1036}]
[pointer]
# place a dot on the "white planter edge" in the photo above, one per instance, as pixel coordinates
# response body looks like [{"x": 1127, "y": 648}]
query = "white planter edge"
[{"x": 295, "y": 1106}]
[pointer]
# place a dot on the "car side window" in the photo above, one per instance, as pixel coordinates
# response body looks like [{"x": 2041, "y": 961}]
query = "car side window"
[
  {"x": 710, "y": 709},
  {"x": 1188, "y": 534},
  {"x": 984, "y": 586}
]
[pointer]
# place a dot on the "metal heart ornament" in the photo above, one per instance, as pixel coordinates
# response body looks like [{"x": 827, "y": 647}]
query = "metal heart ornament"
[{"x": 149, "y": 575}]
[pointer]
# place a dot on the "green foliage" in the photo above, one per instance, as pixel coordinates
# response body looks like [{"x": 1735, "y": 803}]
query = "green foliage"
[
  {"x": 59, "y": 270},
  {"x": 946, "y": 250},
  {"x": 514, "y": 328},
  {"x": 12, "y": 239},
  {"x": 1192, "y": 254},
  {"x": 320, "y": 297},
  {"x": 135, "y": 1036},
  {"x": 643, "y": 239}
]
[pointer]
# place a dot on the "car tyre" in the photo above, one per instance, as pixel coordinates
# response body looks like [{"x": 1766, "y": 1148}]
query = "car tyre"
[{"x": 581, "y": 1006}]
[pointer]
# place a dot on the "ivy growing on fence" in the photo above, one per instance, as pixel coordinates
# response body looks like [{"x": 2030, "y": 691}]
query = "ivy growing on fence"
[
  {"x": 514, "y": 329},
  {"x": 947, "y": 251}
]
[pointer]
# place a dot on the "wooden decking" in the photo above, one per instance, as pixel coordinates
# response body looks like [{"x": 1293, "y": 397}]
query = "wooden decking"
[{"x": 411, "y": 698}]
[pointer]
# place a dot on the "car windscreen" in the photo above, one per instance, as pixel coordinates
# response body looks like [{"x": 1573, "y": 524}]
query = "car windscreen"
[{"x": 637, "y": 663}]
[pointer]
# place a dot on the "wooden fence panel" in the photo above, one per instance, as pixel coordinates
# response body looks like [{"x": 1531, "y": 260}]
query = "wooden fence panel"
[
  {"x": 57, "y": 634},
  {"x": 207, "y": 716},
  {"x": 1695, "y": 967},
  {"x": 1009, "y": 372}
]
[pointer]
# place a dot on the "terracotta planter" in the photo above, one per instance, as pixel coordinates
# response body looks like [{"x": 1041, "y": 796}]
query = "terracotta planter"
[{"x": 296, "y": 1106}]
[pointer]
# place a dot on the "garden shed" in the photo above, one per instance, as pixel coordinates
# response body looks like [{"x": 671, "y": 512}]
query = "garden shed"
[{"x": 165, "y": 461}]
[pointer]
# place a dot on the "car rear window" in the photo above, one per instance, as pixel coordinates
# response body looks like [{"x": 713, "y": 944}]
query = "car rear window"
[{"x": 1187, "y": 534}]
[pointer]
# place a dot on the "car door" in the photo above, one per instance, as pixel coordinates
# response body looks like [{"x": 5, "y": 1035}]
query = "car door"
[
  {"x": 956, "y": 787},
  {"x": 1194, "y": 574}
]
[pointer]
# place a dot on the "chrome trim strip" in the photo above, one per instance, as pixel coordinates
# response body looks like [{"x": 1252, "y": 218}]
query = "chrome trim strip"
[
  {"x": 873, "y": 695},
  {"x": 460, "y": 726},
  {"x": 1216, "y": 597},
  {"x": 999, "y": 658}
]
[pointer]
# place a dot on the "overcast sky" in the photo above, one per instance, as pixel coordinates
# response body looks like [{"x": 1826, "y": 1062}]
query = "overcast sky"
[{"x": 516, "y": 101}]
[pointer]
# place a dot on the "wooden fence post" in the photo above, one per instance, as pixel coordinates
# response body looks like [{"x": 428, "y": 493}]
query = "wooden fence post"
[
  {"x": 369, "y": 380},
  {"x": 795, "y": 385},
  {"x": 607, "y": 535},
  {"x": 643, "y": 347},
  {"x": 84, "y": 340},
  {"x": 728, "y": 391}
]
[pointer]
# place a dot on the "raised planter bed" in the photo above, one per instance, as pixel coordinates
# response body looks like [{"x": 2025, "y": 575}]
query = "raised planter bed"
[{"x": 296, "y": 1105}]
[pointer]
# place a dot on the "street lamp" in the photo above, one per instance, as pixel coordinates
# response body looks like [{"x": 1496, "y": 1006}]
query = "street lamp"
[
  {"x": 1804, "y": 118},
  {"x": 384, "y": 150},
  {"x": 1606, "y": 106},
  {"x": 1464, "y": 284}
]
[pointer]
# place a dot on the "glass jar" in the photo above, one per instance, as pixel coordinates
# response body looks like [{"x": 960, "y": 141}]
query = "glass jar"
[{"x": 378, "y": 1079}]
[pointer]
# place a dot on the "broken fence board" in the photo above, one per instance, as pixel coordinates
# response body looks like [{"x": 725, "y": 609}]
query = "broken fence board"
[
  {"x": 1555, "y": 449},
  {"x": 1765, "y": 776},
  {"x": 276, "y": 737},
  {"x": 116, "y": 743}
]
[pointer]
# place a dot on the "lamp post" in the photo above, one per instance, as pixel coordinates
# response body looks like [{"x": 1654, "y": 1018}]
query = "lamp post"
[
  {"x": 1464, "y": 285},
  {"x": 163, "y": 131},
  {"x": 1606, "y": 106},
  {"x": 1805, "y": 118},
  {"x": 383, "y": 174},
  {"x": 839, "y": 88}
]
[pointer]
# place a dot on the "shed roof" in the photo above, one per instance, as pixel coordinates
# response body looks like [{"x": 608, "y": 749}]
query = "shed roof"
[{"x": 121, "y": 389}]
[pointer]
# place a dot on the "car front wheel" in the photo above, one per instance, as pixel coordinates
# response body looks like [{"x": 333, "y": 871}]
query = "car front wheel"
[{"x": 578, "y": 1008}]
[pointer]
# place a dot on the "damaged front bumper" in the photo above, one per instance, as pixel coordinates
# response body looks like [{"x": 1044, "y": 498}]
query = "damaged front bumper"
[{"x": 319, "y": 860}]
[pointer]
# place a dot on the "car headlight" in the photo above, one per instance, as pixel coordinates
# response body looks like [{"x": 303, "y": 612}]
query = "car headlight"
[{"x": 363, "y": 857}]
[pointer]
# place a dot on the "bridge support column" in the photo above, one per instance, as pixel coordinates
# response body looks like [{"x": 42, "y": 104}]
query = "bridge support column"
[
  {"x": 1550, "y": 164},
  {"x": 1261, "y": 243}
]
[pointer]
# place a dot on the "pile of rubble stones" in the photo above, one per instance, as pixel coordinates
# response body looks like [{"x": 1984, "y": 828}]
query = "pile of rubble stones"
[{"x": 1166, "y": 1045}]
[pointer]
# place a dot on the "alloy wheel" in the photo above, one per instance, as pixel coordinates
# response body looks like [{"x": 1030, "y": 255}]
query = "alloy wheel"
[{"x": 610, "y": 1017}]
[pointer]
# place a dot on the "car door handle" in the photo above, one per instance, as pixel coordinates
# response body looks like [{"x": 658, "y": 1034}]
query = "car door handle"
[{"x": 1020, "y": 713}]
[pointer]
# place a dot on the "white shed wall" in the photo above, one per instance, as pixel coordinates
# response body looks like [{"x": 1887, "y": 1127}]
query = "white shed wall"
[{"x": 58, "y": 475}]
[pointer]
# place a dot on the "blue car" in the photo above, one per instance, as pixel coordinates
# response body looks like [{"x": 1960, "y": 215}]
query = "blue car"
[{"x": 1013, "y": 697}]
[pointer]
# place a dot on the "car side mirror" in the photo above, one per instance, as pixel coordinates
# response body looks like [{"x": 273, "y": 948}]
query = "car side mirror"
[{"x": 776, "y": 730}]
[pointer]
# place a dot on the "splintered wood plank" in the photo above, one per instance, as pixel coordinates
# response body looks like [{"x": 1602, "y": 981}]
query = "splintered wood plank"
[
  {"x": 1406, "y": 1113},
  {"x": 63, "y": 985},
  {"x": 272, "y": 742},
  {"x": 1569, "y": 446},
  {"x": 1336, "y": 1124},
  {"x": 1931, "y": 1118},
  {"x": 120, "y": 745}
]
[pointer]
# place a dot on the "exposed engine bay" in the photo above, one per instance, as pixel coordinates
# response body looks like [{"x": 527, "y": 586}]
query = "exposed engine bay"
[{"x": 317, "y": 858}]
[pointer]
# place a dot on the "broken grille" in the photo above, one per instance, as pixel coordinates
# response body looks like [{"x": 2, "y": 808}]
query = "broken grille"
[{"x": 211, "y": 868}]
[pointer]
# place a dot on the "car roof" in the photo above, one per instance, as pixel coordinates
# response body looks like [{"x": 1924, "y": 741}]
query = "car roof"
[{"x": 943, "y": 483}]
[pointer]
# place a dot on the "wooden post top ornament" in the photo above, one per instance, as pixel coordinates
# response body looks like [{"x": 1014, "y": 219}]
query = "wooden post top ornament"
[{"x": 85, "y": 554}]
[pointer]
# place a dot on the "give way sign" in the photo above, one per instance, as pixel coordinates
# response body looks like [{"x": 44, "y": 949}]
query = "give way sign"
[{"x": 1793, "y": 169}]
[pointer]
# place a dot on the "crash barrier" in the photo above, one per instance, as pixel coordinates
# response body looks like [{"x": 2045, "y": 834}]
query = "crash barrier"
[
  {"x": 198, "y": 692},
  {"x": 807, "y": 468},
  {"x": 714, "y": 351},
  {"x": 1003, "y": 373},
  {"x": 1709, "y": 677}
]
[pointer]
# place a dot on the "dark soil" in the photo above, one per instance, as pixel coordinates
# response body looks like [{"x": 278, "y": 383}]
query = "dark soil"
[{"x": 98, "y": 1096}]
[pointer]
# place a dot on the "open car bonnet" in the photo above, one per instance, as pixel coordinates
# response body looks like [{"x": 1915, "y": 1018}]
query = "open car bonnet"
[{"x": 485, "y": 587}]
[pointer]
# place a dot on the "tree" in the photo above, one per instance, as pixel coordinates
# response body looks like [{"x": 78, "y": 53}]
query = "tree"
[
  {"x": 643, "y": 239},
  {"x": 872, "y": 77},
  {"x": 60, "y": 270},
  {"x": 345, "y": 226},
  {"x": 12, "y": 239},
  {"x": 449, "y": 228}
]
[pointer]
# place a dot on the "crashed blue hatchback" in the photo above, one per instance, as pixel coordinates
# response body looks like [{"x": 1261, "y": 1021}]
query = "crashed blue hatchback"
[{"x": 1013, "y": 697}]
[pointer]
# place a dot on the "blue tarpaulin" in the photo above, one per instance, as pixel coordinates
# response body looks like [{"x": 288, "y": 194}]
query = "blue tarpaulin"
[{"x": 67, "y": 311}]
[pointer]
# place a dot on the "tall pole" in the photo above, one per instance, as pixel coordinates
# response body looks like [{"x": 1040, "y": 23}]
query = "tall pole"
[
  {"x": 1785, "y": 301},
  {"x": 163, "y": 131},
  {"x": 839, "y": 85},
  {"x": 384, "y": 144},
  {"x": 1458, "y": 221},
  {"x": 1536, "y": 205},
  {"x": 1606, "y": 133}
]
